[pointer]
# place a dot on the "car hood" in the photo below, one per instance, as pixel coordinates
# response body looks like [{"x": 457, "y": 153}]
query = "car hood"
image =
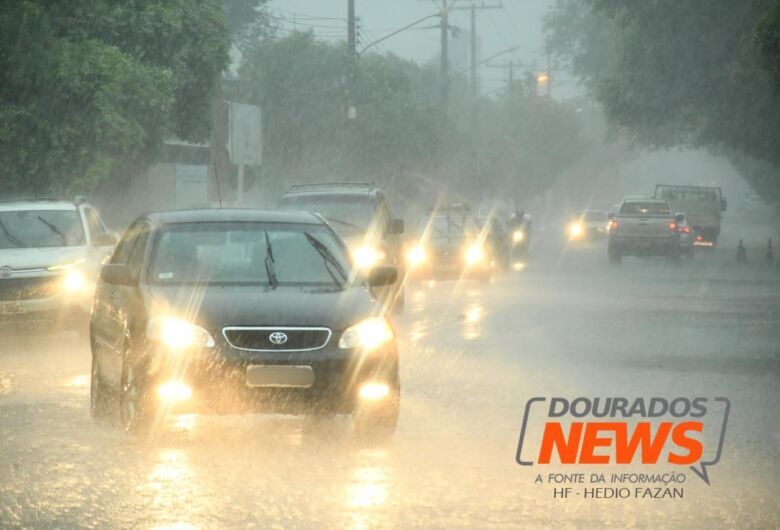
[
  {"x": 39, "y": 258},
  {"x": 215, "y": 307}
]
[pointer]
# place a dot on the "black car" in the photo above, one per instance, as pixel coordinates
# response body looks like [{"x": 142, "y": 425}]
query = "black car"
[
  {"x": 360, "y": 215},
  {"x": 234, "y": 310}
]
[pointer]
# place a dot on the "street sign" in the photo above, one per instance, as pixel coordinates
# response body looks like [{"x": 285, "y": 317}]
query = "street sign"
[{"x": 245, "y": 138}]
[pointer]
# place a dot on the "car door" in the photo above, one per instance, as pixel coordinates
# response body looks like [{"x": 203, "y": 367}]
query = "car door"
[{"x": 110, "y": 313}]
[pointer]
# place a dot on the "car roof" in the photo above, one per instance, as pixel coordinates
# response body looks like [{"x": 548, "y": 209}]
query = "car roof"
[
  {"x": 347, "y": 193},
  {"x": 37, "y": 205},
  {"x": 643, "y": 199},
  {"x": 233, "y": 215}
]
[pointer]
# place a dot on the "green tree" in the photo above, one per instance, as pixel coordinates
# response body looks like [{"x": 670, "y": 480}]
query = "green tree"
[
  {"x": 90, "y": 88},
  {"x": 674, "y": 73}
]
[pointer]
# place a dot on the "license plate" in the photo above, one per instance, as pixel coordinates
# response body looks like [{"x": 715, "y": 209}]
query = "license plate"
[
  {"x": 11, "y": 308},
  {"x": 279, "y": 376}
]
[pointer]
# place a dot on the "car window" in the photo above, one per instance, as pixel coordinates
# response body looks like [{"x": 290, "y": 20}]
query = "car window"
[
  {"x": 125, "y": 246},
  {"x": 93, "y": 222},
  {"x": 135, "y": 260},
  {"x": 247, "y": 253},
  {"x": 645, "y": 208},
  {"x": 346, "y": 213},
  {"x": 41, "y": 228}
]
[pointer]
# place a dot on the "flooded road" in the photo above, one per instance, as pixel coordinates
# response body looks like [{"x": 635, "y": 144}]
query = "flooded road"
[{"x": 564, "y": 324}]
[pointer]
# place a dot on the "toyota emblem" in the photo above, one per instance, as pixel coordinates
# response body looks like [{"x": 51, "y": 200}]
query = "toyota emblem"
[
  {"x": 277, "y": 337},
  {"x": 6, "y": 272}
]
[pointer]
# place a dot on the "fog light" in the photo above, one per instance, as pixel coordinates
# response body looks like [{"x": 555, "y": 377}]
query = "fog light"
[
  {"x": 374, "y": 391},
  {"x": 474, "y": 255},
  {"x": 174, "y": 392}
]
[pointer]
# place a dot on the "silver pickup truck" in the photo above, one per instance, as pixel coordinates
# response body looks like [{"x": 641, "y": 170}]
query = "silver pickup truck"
[{"x": 643, "y": 227}]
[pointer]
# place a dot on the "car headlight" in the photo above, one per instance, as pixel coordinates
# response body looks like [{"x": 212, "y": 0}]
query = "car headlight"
[
  {"x": 475, "y": 254},
  {"x": 178, "y": 334},
  {"x": 518, "y": 236},
  {"x": 74, "y": 281},
  {"x": 367, "y": 256},
  {"x": 367, "y": 335},
  {"x": 575, "y": 230},
  {"x": 416, "y": 256}
]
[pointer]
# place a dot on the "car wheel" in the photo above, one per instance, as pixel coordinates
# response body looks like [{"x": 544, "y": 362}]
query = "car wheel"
[
  {"x": 99, "y": 395},
  {"x": 136, "y": 408},
  {"x": 377, "y": 422}
]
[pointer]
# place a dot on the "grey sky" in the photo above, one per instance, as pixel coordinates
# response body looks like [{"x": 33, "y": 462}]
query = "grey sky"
[{"x": 518, "y": 23}]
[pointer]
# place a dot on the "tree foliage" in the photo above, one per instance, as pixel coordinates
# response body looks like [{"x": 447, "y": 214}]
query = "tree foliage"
[
  {"x": 674, "y": 73},
  {"x": 90, "y": 88},
  {"x": 401, "y": 132}
]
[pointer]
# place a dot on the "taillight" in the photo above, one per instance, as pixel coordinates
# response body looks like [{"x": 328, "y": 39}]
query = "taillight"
[
  {"x": 672, "y": 226},
  {"x": 684, "y": 229},
  {"x": 614, "y": 225}
]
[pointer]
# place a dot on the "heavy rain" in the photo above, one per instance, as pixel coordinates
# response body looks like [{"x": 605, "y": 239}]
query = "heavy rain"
[{"x": 410, "y": 264}]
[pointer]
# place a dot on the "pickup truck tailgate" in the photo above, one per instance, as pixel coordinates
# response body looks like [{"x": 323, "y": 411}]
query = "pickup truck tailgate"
[{"x": 644, "y": 227}]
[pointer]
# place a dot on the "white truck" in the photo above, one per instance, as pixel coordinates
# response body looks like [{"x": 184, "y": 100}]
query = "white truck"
[
  {"x": 702, "y": 206},
  {"x": 643, "y": 227}
]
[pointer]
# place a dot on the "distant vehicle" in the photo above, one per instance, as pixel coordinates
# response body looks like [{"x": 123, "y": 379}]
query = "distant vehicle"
[
  {"x": 50, "y": 253},
  {"x": 643, "y": 227},
  {"x": 360, "y": 215},
  {"x": 686, "y": 237},
  {"x": 228, "y": 311},
  {"x": 451, "y": 243},
  {"x": 702, "y": 206},
  {"x": 498, "y": 240},
  {"x": 519, "y": 226},
  {"x": 587, "y": 225}
]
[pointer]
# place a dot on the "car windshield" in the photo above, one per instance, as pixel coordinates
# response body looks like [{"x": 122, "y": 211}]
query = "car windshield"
[
  {"x": 41, "y": 228},
  {"x": 450, "y": 226},
  {"x": 344, "y": 212},
  {"x": 593, "y": 216},
  {"x": 249, "y": 253},
  {"x": 645, "y": 208}
]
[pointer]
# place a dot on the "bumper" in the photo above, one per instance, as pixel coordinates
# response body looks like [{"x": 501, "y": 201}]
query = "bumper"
[
  {"x": 61, "y": 310},
  {"x": 643, "y": 246},
  {"x": 218, "y": 380}
]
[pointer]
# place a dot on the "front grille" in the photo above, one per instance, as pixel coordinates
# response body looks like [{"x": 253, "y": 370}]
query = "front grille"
[
  {"x": 262, "y": 338},
  {"x": 18, "y": 289}
]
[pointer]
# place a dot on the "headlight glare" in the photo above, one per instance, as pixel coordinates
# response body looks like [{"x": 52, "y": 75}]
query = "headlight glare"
[
  {"x": 73, "y": 281},
  {"x": 367, "y": 256},
  {"x": 368, "y": 334},
  {"x": 416, "y": 256},
  {"x": 518, "y": 236},
  {"x": 474, "y": 254},
  {"x": 178, "y": 334}
]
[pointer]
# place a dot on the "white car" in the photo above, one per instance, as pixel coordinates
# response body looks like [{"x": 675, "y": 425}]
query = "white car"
[{"x": 51, "y": 252}]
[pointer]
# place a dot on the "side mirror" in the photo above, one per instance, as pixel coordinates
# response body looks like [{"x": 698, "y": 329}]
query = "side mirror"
[
  {"x": 382, "y": 276},
  {"x": 106, "y": 239},
  {"x": 723, "y": 204},
  {"x": 396, "y": 227},
  {"x": 679, "y": 217},
  {"x": 116, "y": 274},
  {"x": 610, "y": 215}
]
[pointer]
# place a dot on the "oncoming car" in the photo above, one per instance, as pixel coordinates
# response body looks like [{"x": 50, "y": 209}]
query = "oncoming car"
[
  {"x": 240, "y": 310},
  {"x": 451, "y": 243},
  {"x": 359, "y": 214},
  {"x": 50, "y": 254},
  {"x": 587, "y": 225}
]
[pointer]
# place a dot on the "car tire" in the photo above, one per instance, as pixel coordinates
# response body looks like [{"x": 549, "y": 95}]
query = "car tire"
[
  {"x": 136, "y": 406},
  {"x": 377, "y": 422},
  {"x": 99, "y": 396}
]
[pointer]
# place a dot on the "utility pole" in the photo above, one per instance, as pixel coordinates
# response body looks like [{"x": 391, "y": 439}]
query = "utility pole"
[
  {"x": 445, "y": 60},
  {"x": 351, "y": 38}
]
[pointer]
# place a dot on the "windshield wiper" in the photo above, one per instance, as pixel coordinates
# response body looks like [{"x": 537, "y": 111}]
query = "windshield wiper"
[
  {"x": 56, "y": 231},
  {"x": 269, "y": 263},
  {"x": 12, "y": 238},
  {"x": 329, "y": 259},
  {"x": 342, "y": 223}
]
